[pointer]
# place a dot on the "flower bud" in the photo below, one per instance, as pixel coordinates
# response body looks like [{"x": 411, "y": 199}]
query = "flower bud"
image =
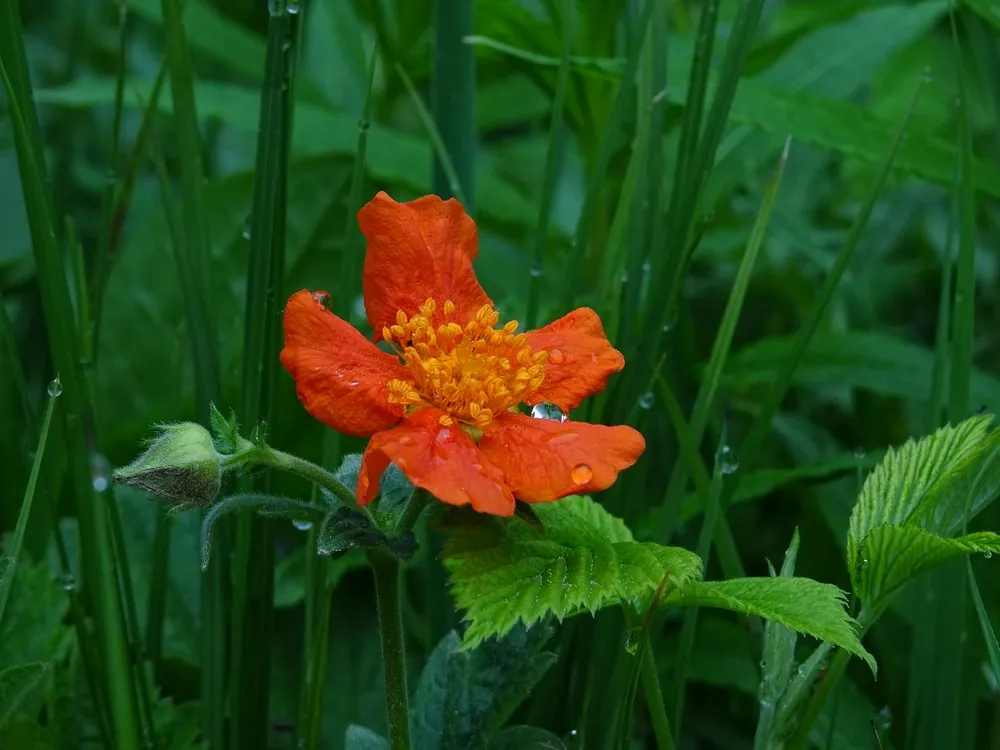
[{"x": 181, "y": 464}]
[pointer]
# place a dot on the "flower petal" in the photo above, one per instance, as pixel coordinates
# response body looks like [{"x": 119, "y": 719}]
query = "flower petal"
[
  {"x": 418, "y": 250},
  {"x": 443, "y": 460},
  {"x": 340, "y": 376},
  {"x": 580, "y": 358},
  {"x": 545, "y": 459}
]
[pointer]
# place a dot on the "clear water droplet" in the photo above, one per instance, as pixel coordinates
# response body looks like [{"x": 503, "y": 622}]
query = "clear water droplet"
[
  {"x": 864, "y": 563},
  {"x": 302, "y": 524},
  {"x": 546, "y": 410},
  {"x": 581, "y": 474},
  {"x": 647, "y": 266},
  {"x": 988, "y": 554},
  {"x": 55, "y": 387},
  {"x": 632, "y": 641},
  {"x": 246, "y": 229},
  {"x": 68, "y": 582},
  {"x": 292, "y": 6},
  {"x": 646, "y": 400},
  {"x": 573, "y": 733},
  {"x": 100, "y": 473},
  {"x": 763, "y": 664},
  {"x": 535, "y": 271},
  {"x": 556, "y": 356},
  {"x": 727, "y": 460},
  {"x": 859, "y": 453}
]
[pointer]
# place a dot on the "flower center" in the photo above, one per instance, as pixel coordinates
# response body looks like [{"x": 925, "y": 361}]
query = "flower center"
[{"x": 472, "y": 373}]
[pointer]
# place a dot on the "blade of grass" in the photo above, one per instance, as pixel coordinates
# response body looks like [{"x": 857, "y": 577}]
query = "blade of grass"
[
  {"x": 989, "y": 634},
  {"x": 192, "y": 256},
  {"x": 97, "y": 565},
  {"x": 253, "y": 593},
  {"x": 12, "y": 364},
  {"x": 553, "y": 157},
  {"x": 761, "y": 425},
  {"x": 705, "y": 399},
  {"x": 7, "y": 575},
  {"x": 453, "y": 102}
]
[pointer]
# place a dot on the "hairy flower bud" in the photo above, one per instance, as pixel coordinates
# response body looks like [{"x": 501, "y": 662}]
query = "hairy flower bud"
[{"x": 181, "y": 464}]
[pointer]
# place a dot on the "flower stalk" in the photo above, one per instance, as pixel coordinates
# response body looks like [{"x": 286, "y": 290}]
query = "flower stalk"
[{"x": 387, "y": 590}]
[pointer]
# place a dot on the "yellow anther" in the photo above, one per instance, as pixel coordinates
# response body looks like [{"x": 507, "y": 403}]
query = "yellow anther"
[
  {"x": 470, "y": 372},
  {"x": 445, "y": 420}
]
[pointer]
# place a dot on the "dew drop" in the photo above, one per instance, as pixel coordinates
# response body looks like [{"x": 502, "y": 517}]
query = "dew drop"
[
  {"x": 581, "y": 474},
  {"x": 55, "y": 387},
  {"x": 632, "y": 642},
  {"x": 302, "y": 524},
  {"x": 535, "y": 272},
  {"x": 647, "y": 266},
  {"x": 556, "y": 357},
  {"x": 763, "y": 664},
  {"x": 546, "y": 410},
  {"x": 624, "y": 277},
  {"x": 727, "y": 461},
  {"x": 246, "y": 229},
  {"x": 292, "y": 6},
  {"x": 68, "y": 582},
  {"x": 405, "y": 440},
  {"x": 646, "y": 400},
  {"x": 321, "y": 297},
  {"x": 560, "y": 437},
  {"x": 859, "y": 453},
  {"x": 988, "y": 554},
  {"x": 864, "y": 563},
  {"x": 100, "y": 472}
]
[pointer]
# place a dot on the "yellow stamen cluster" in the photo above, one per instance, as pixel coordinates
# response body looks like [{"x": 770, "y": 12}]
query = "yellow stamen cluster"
[{"x": 471, "y": 372}]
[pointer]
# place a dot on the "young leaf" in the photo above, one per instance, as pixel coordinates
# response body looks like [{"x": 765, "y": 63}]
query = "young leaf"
[
  {"x": 926, "y": 482},
  {"x": 345, "y": 528},
  {"x": 465, "y": 696},
  {"x": 805, "y": 605},
  {"x": 394, "y": 492},
  {"x": 15, "y": 683},
  {"x": 225, "y": 432},
  {"x": 504, "y": 571},
  {"x": 891, "y": 555},
  {"x": 778, "y": 658},
  {"x": 363, "y": 738}
]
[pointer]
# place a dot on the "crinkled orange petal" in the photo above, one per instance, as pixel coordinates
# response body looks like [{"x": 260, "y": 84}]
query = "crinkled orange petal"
[
  {"x": 443, "y": 460},
  {"x": 580, "y": 358},
  {"x": 340, "y": 376},
  {"x": 417, "y": 251},
  {"x": 545, "y": 459}
]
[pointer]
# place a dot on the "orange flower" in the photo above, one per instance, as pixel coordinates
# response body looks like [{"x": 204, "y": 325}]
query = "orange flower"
[{"x": 444, "y": 405}]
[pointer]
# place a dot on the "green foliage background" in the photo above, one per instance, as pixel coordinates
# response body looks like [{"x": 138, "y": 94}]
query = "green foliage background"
[{"x": 575, "y": 132}]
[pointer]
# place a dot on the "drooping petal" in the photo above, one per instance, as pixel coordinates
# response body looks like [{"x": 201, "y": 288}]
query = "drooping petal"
[
  {"x": 418, "y": 250},
  {"x": 545, "y": 459},
  {"x": 340, "y": 376},
  {"x": 442, "y": 459},
  {"x": 580, "y": 358}
]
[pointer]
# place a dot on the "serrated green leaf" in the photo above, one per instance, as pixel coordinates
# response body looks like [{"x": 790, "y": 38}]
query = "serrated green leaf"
[
  {"x": 503, "y": 571},
  {"x": 363, "y": 738},
  {"x": 890, "y": 556},
  {"x": 225, "y": 432},
  {"x": 15, "y": 684},
  {"x": 930, "y": 483},
  {"x": 526, "y": 738},
  {"x": 272, "y": 506},
  {"x": 395, "y": 491},
  {"x": 805, "y": 605},
  {"x": 345, "y": 529},
  {"x": 465, "y": 696}
]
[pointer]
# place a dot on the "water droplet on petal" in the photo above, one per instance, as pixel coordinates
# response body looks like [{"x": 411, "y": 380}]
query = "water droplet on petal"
[
  {"x": 581, "y": 474},
  {"x": 556, "y": 357},
  {"x": 560, "y": 437},
  {"x": 55, "y": 387},
  {"x": 405, "y": 440},
  {"x": 100, "y": 472},
  {"x": 302, "y": 524},
  {"x": 546, "y": 410},
  {"x": 646, "y": 400},
  {"x": 321, "y": 297}
]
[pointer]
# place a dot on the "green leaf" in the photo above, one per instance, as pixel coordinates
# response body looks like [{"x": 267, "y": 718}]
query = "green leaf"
[
  {"x": 225, "y": 432},
  {"x": 272, "y": 506},
  {"x": 778, "y": 657},
  {"x": 876, "y": 362},
  {"x": 935, "y": 483},
  {"x": 889, "y": 556},
  {"x": 526, "y": 738},
  {"x": 345, "y": 529},
  {"x": 503, "y": 571},
  {"x": 394, "y": 493},
  {"x": 15, "y": 684},
  {"x": 465, "y": 696},
  {"x": 25, "y": 733},
  {"x": 805, "y": 605},
  {"x": 363, "y": 738}
]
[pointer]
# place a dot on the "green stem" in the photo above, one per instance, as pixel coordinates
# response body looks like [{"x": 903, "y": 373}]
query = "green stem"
[
  {"x": 386, "y": 570},
  {"x": 267, "y": 456},
  {"x": 414, "y": 507},
  {"x": 654, "y": 701}
]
